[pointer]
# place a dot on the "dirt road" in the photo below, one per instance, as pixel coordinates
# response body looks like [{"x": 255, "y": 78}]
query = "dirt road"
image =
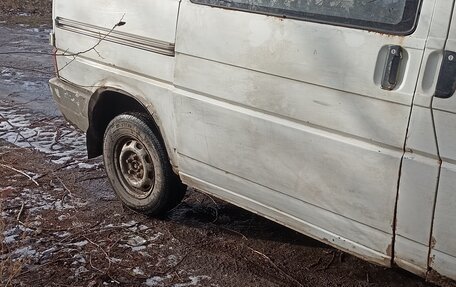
[{"x": 62, "y": 226}]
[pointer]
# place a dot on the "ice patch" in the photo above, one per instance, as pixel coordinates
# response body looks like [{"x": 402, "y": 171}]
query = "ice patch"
[
  {"x": 159, "y": 281},
  {"x": 129, "y": 223},
  {"x": 35, "y": 30},
  {"x": 138, "y": 248},
  {"x": 85, "y": 165},
  {"x": 115, "y": 260},
  {"x": 81, "y": 243},
  {"x": 78, "y": 259},
  {"x": 62, "y": 217},
  {"x": 143, "y": 227},
  {"x": 10, "y": 239},
  {"x": 156, "y": 281},
  {"x": 80, "y": 270},
  {"x": 24, "y": 252},
  {"x": 37, "y": 201},
  {"x": 136, "y": 241},
  {"x": 194, "y": 280},
  {"x": 52, "y": 136},
  {"x": 62, "y": 234},
  {"x": 155, "y": 237},
  {"x": 17, "y": 229},
  {"x": 138, "y": 271}
]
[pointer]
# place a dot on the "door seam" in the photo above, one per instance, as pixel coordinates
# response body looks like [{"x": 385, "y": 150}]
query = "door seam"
[
  {"x": 404, "y": 148},
  {"x": 431, "y": 234}
]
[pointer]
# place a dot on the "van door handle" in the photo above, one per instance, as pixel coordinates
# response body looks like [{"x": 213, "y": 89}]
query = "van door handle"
[
  {"x": 446, "y": 84},
  {"x": 391, "y": 70}
]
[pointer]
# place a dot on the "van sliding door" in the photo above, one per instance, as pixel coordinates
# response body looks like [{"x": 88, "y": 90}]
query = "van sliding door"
[
  {"x": 443, "y": 248},
  {"x": 421, "y": 163},
  {"x": 301, "y": 118}
]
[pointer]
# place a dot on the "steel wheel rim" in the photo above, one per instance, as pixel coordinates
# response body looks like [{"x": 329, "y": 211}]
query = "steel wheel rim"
[{"x": 135, "y": 167}]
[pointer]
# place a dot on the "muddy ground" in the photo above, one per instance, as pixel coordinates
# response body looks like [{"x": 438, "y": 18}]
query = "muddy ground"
[
  {"x": 25, "y": 12},
  {"x": 61, "y": 224}
]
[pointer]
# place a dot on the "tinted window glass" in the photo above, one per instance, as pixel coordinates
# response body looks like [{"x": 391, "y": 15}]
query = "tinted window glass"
[
  {"x": 397, "y": 16},
  {"x": 385, "y": 11}
]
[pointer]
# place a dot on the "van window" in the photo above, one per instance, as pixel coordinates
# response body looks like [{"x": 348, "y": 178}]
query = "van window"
[{"x": 390, "y": 16}]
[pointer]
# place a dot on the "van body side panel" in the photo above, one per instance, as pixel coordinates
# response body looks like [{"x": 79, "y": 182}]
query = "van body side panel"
[
  {"x": 295, "y": 109},
  {"x": 418, "y": 185},
  {"x": 129, "y": 47},
  {"x": 296, "y": 166},
  {"x": 443, "y": 252},
  {"x": 443, "y": 243},
  {"x": 136, "y": 57},
  {"x": 334, "y": 110},
  {"x": 421, "y": 164},
  {"x": 149, "y": 19},
  {"x": 295, "y": 214}
]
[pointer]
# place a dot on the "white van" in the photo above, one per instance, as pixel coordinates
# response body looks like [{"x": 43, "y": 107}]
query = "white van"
[{"x": 334, "y": 118}]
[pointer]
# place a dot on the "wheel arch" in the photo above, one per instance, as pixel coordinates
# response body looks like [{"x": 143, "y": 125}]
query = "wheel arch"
[{"x": 105, "y": 104}]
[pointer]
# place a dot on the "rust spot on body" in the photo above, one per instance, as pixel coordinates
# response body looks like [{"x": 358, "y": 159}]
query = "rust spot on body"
[
  {"x": 399, "y": 40},
  {"x": 389, "y": 250},
  {"x": 433, "y": 242}
]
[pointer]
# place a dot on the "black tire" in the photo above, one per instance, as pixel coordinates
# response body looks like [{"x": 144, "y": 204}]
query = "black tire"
[{"x": 138, "y": 167}]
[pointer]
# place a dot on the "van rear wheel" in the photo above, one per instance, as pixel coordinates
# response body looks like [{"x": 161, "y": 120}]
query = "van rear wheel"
[{"x": 138, "y": 167}]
